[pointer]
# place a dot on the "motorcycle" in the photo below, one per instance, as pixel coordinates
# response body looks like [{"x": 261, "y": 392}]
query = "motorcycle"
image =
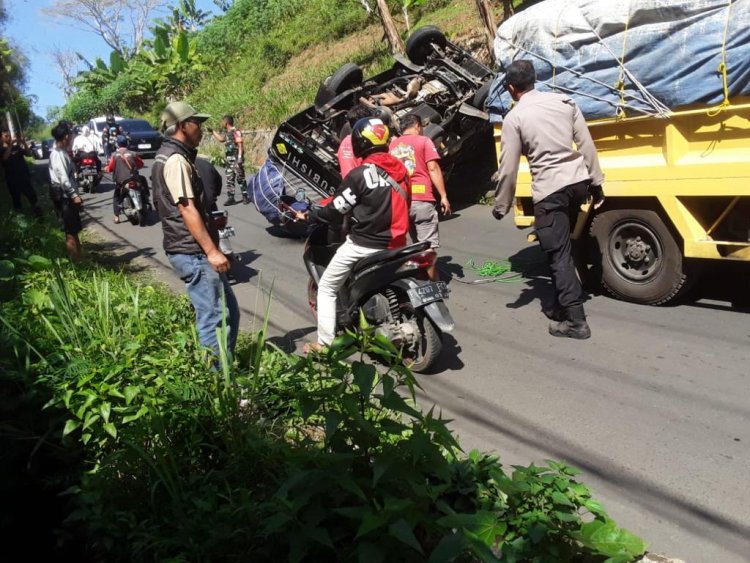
[
  {"x": 392, "y": 290},
  {"x": 86, "y": 173},
  {"x": 133, "y": 200}
]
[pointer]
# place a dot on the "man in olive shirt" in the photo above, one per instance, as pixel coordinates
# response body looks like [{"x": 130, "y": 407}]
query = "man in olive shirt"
[
  {"x": 542, "y": 126},
  {"x": 192, "y": 246}
]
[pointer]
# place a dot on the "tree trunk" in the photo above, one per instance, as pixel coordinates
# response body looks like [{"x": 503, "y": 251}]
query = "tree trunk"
[
  {"x": 391, "y": 33},
  {"x": 488, "y": 21}
]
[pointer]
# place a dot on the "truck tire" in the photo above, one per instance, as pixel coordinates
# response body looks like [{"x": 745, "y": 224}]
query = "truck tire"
[
  {"x": 480, "y": 96},
  {"x": 347, "y": 76},
  {"x": 640, "y": 258},
  {"x": 419, "y": 45}
]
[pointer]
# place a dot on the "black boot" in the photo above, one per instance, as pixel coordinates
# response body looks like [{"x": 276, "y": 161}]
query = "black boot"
[
  {"x": 230, "y": 200},
  {"x": 554, "y": 313},
  {"x": 574, "y": 326},
  {"x": 245, "y": 198}
]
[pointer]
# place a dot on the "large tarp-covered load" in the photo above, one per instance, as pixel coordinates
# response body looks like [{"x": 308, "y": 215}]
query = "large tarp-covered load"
[{"x": 629, "y": 57}]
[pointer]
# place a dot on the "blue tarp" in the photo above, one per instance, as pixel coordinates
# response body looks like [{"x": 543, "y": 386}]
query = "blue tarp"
[{"x": 670, "y": 50}]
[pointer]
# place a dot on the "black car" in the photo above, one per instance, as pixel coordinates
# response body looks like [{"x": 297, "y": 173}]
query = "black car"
[
  {"x": 440, "y": 82},
  {"x": 143, "y": 138}
]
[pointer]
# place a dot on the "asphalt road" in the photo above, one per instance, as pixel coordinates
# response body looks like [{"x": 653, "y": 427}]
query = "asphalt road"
[{"x": 654, "y": 408}]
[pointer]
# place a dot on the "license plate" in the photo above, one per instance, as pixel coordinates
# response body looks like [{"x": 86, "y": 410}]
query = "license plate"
[
  {"x": 144, "y": 146},
  {"x": 428, "y": 293}
]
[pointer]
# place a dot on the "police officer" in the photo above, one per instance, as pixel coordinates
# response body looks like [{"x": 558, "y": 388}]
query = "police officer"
[
  {"x": 235, "y": 157},
  {"x": 543, "y": 126}
]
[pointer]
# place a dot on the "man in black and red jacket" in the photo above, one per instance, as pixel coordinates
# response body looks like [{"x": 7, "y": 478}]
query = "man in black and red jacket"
[{"x": 376, "y": 194}]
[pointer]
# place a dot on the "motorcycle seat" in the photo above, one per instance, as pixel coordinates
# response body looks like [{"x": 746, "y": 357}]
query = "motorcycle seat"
[{"x": 386, "y": 255}]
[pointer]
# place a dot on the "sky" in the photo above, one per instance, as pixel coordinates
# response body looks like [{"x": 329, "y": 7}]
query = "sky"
[{"x": 38, "y": 35}]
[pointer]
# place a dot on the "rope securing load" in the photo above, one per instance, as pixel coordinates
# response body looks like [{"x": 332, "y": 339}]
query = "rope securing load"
[{"x": 492, "y": 271}]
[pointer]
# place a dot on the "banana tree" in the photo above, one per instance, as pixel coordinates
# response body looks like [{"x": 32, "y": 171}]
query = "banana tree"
[
  {"x": 100, "y": 75},
  {"x": 173, "y": 63}
]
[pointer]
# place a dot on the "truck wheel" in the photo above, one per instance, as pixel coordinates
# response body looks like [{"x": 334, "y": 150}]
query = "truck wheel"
[
  {"x": 480, "y": 96},
  {"x": 419, "y": 45},
  {"x": 347, "y": 76},
  {"x": 640, "y": 258}
]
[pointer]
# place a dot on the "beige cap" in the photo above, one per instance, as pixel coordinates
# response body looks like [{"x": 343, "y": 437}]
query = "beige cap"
[{"x": 180, "y": 111}]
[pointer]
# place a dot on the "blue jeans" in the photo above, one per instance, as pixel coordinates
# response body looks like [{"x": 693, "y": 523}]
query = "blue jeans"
[{"x": 205, "y": 287}]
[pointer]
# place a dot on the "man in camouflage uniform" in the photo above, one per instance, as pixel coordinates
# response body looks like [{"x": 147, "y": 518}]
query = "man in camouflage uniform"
[{"x": 235, "y": 156}]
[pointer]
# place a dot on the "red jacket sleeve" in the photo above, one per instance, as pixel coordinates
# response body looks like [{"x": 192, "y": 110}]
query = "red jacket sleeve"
[{"x": 110, "y": 165}]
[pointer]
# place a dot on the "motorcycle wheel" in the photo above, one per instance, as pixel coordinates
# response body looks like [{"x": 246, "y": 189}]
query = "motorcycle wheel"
[
  {"x": 142, "y": 217},
  {"x": 312, "y": 297},
  {"x": 135, "y": 218},
  {"x": 423, "y": 355}
]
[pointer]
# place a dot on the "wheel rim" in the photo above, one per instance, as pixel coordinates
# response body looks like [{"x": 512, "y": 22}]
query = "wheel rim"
[{"x": 635, "y": 251}]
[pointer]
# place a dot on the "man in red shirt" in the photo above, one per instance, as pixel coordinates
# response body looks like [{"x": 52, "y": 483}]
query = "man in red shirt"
[
  {"x": 419, "y": 155},
  {"x": 345, "y": 154}
]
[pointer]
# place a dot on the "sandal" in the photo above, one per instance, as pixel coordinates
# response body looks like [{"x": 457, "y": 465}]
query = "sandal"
[{"x": 315, "y": 347}]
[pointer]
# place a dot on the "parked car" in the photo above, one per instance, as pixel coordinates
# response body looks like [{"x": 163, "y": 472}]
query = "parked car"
[{"x": 439, "y": 81}]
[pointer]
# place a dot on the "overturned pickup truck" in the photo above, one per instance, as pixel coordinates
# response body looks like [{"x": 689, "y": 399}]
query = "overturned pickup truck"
[{"x": 439, "y": 81}]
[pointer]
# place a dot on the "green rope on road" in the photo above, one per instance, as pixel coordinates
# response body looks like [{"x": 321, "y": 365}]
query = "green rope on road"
[{"x": 494, "y": 271}]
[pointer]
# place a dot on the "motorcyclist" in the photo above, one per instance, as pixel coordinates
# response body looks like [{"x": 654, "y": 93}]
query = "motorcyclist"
[
  {"x": 376, "y": 194},
  {"x": 121, "y": 131},
  {"x": 109, "y": 135},
  {"x": 124, "y": 166},
  {"x": 86, "y": 144}
]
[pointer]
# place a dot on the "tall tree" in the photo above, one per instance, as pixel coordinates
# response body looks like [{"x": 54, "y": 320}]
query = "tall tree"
[
  {"x": 389, "y": 26},
  {"x": 121, "y": 24},
  {"x": 66, "y": 62},
  {"x": 13, "y": 65}
]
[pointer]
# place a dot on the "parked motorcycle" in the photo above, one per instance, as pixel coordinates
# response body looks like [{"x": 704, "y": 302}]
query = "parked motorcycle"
[
  {"x": 86, "y": 173},
  {"x": 392, "y": 290},
  {"x": 133, "y": 200}
]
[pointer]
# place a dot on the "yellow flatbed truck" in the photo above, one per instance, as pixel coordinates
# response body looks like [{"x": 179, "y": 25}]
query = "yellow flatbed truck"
[{"x": 677, "y": 195}]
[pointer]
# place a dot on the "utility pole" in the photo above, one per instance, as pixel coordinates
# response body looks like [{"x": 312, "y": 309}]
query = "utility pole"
[
  {"x": 488, "y": 21},
  {"x": 391, "y": 33}
]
